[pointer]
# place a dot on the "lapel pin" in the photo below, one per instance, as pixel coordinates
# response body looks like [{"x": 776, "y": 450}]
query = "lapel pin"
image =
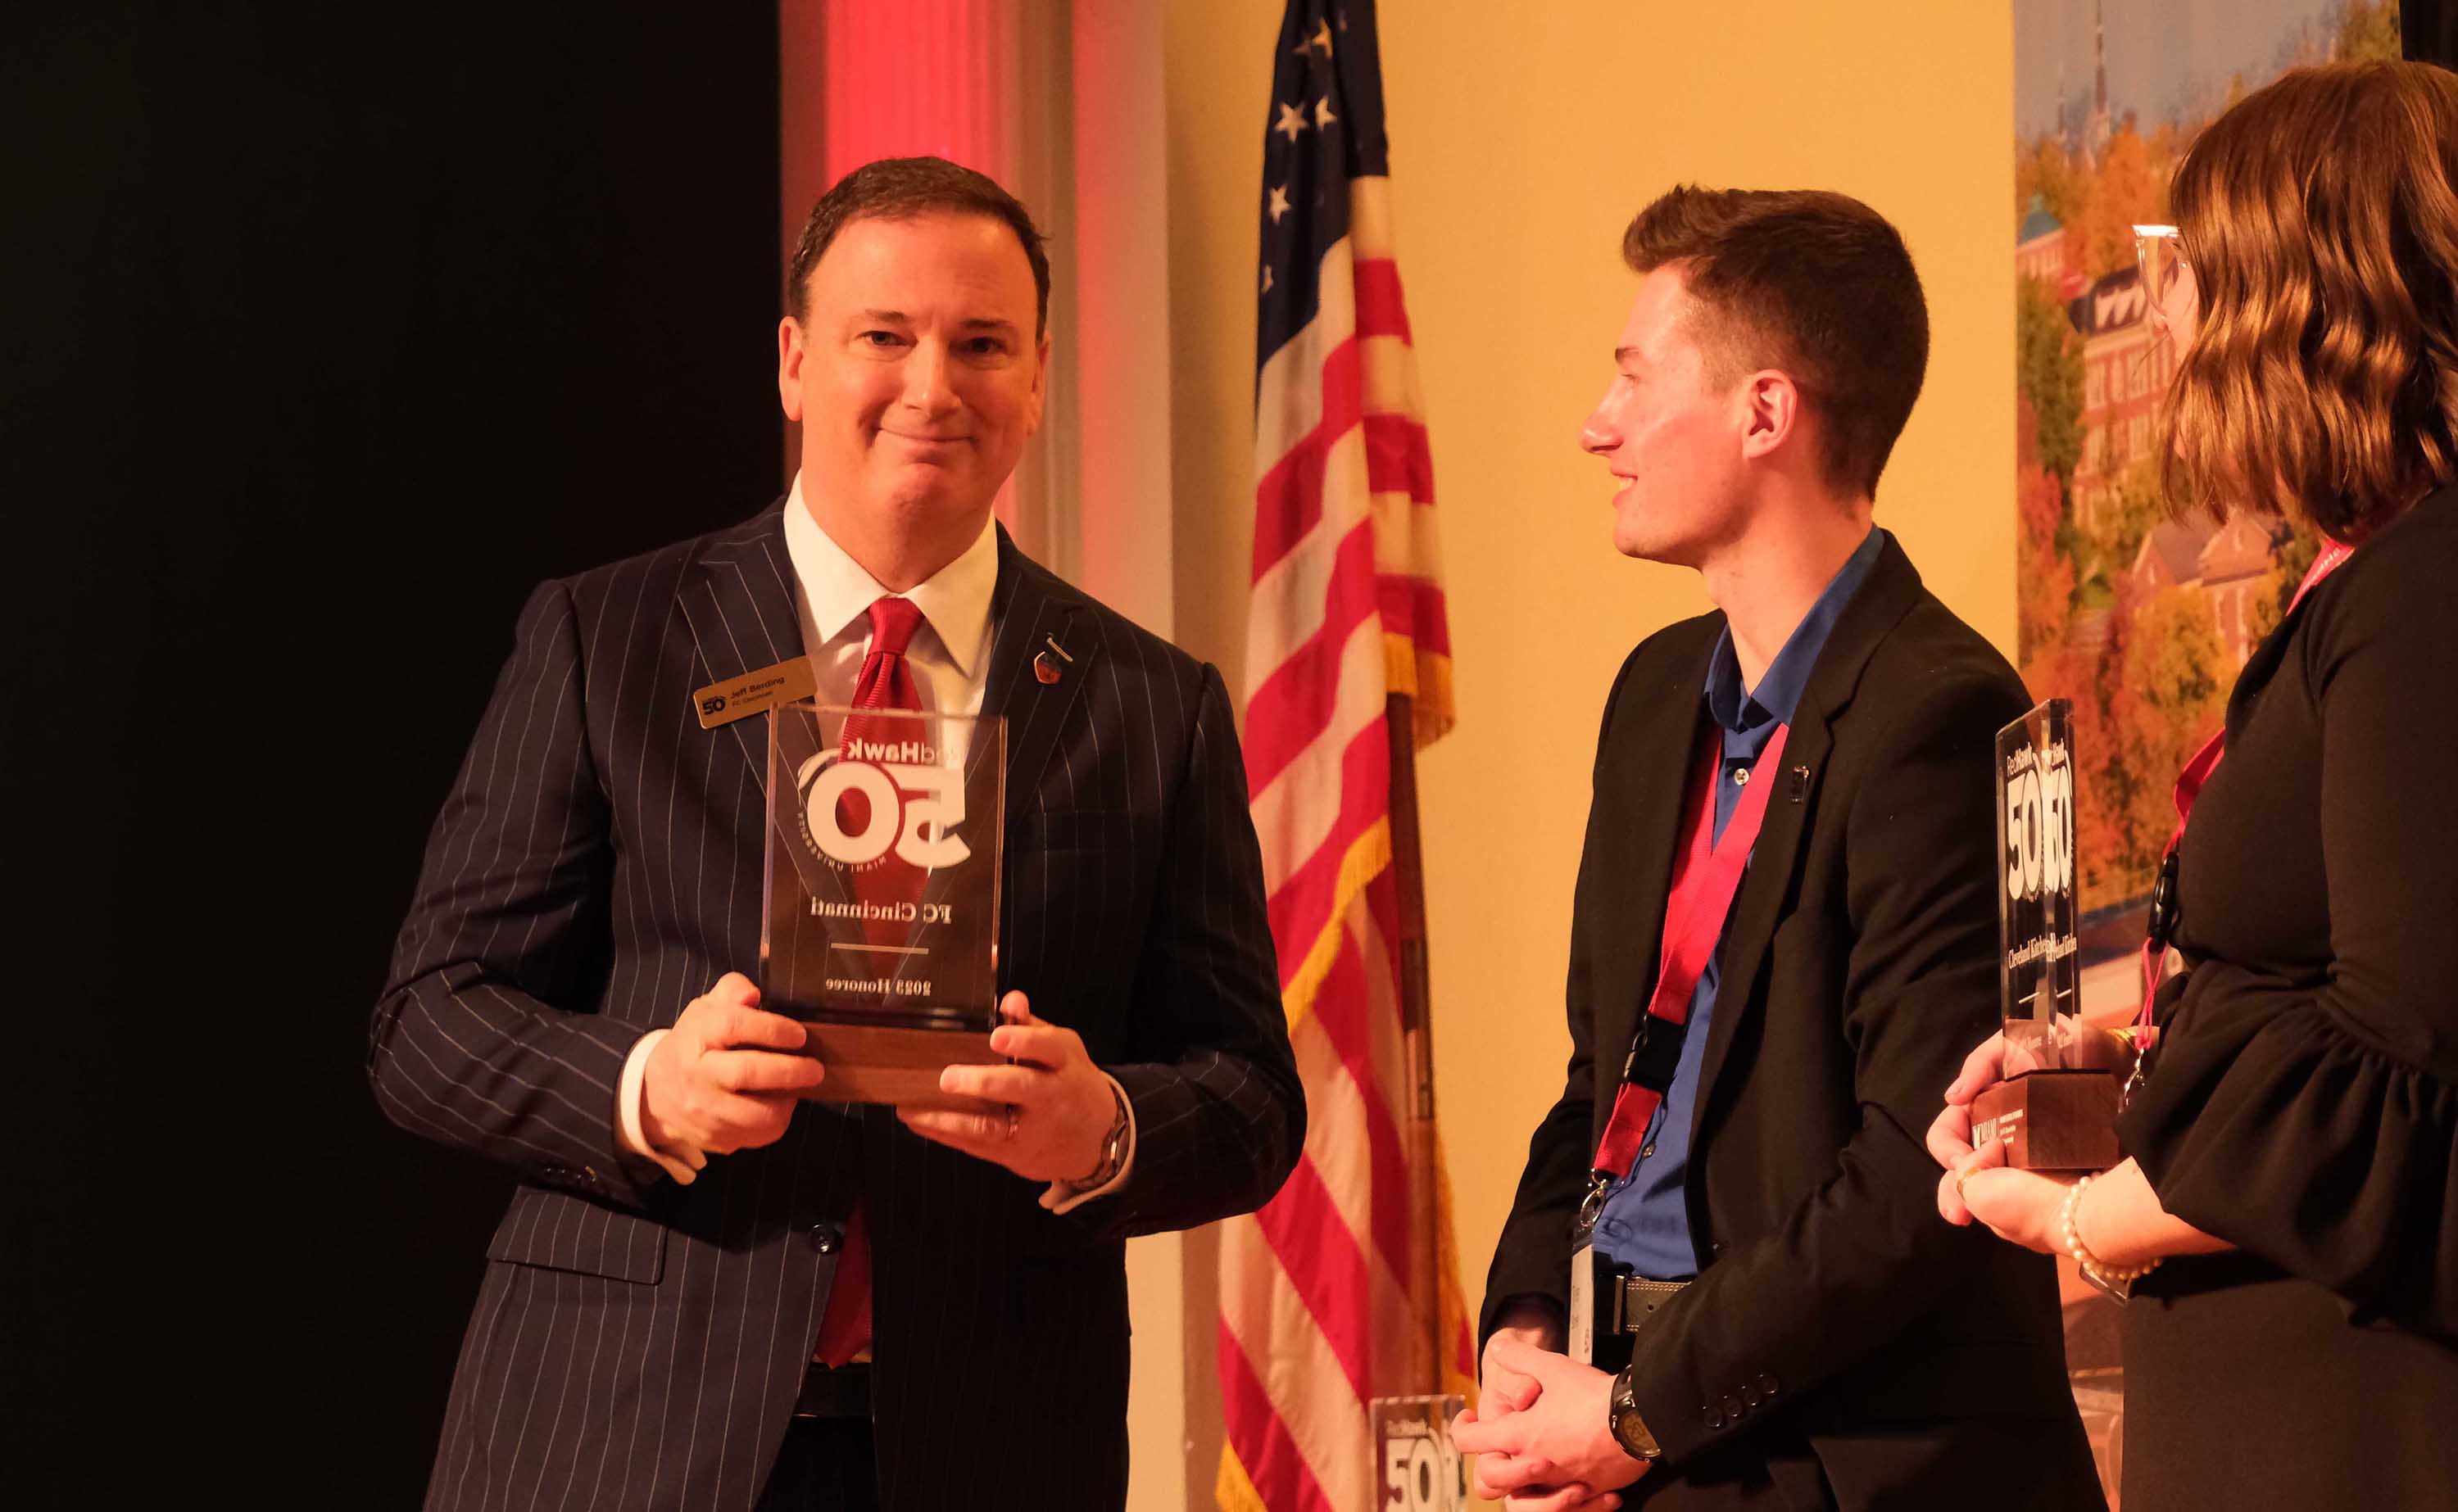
[
  {"x": 1044, "y": 669},
  {"x": 1800, "y": 782}
]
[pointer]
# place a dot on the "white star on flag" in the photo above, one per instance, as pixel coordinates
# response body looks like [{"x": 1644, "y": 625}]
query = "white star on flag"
[
  {"x": 1292, "y": 121},
  {"x": 1322, "y": 115},
  {"x": 1280, "y": 205}
]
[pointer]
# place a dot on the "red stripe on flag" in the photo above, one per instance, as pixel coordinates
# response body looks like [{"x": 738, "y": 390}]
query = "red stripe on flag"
[
  {"x": 1289, "y": 497},
  {"x": 1347, "y": 1008},
  {"x": 1296, "y": 703},
  {"x": 1397, "y": 457},
  {"x": 1274, "y": 1464},
  {"x": 1326, "y": 1268},
  {"x": 1302, "y": 908},
  {"x": 1381, "y": 311},
  {"x": 1414, "y": 607}
]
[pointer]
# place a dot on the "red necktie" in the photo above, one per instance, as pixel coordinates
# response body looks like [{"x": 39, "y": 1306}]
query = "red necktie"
[{"x": 885, "y": 682}]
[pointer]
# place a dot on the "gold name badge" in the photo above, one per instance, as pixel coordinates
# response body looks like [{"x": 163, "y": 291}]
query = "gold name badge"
[{"x": 754, "y": 693}]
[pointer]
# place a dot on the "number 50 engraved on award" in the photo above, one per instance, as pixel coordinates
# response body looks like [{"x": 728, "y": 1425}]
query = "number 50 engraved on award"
[
  {"x": 2051, "y": 1113},
  {"x": 913, "y": 808},
  {"x": 881, "y": 926},
  {"x": 1415, "y": 1461}
]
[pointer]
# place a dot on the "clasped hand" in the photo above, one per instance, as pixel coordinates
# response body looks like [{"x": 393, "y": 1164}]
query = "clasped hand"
[{"x": 1542, "y": 1433}]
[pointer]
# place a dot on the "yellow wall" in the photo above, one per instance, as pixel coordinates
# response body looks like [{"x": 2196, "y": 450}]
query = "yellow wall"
[{"x": 1525, "y": 137}]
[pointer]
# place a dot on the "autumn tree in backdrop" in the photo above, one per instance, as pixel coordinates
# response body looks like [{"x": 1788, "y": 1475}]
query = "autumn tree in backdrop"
[
  {"x": 2175, "y": 674},
  {"x": 2135, "y": 508},
  {"x": 2048, "y": 376},
  {"x": 2104, "y": 785},
  {"x": 2044, "y": 577},
  {"x": 2122, "y": 192},
  {"x": 2043, "y": 169}
]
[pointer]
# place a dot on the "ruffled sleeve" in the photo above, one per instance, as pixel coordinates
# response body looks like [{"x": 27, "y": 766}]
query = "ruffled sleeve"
[{"x": 2276, "y": 1126}]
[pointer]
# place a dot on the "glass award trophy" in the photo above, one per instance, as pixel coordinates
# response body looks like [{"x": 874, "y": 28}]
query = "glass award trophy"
[
  {"x": 1415, "y": 1461},
  {"x": 881, "y": 926},
  {"x": 2052, "y": 1111}
]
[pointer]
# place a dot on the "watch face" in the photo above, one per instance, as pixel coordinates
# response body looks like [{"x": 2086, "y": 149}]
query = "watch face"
[
  {"x": 1621, "y": 1427},
  {"x": 1627, "y": 1429}
]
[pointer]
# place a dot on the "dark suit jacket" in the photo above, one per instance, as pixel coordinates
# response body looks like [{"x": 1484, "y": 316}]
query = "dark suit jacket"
[
  {"x": 638, "y": 1343},
  {"x": 1858, "y": 967}
]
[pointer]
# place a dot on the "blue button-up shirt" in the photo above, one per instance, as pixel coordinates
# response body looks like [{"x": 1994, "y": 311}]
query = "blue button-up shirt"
[{"x": 1646, "y": 1219}]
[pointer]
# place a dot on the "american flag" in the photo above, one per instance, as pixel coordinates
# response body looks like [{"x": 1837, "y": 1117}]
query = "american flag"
[{"x": 1345, "y": 1287}]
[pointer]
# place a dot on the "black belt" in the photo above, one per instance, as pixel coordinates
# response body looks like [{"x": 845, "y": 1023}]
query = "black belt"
[
  {"x": 840, "y": 1392},
  {"x": 1629, "y": 1301}
]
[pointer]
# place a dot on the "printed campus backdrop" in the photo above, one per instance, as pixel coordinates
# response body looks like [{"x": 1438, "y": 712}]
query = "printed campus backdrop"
[{"x": 2140, "y": 613}]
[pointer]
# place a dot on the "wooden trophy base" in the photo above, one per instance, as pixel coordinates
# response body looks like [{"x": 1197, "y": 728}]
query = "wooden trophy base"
[
  {"x": 881, "y": 1062},
  {"x": 2051, "y": 1120}
]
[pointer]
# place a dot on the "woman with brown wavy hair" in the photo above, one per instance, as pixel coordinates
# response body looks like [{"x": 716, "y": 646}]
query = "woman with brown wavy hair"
[{"x": 2290, "y": 1149}]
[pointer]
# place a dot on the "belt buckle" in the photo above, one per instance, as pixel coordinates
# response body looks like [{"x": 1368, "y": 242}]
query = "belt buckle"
[{"x": 1635, "y": 1299}]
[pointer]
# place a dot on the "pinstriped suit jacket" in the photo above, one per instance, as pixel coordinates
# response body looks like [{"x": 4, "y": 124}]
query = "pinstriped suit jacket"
[{"x": 639, "y": 1345}]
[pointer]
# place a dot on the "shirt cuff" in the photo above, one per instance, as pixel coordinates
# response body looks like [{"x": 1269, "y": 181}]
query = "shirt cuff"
[
  {"x": 1065, "y": 1196},
  {"x": 629, "y": 1094}
]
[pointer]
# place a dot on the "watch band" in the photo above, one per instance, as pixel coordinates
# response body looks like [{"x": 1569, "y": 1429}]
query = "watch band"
[
  {"x": 1627, "y": 1430},
  {"x": 1114, "y": 1146}
]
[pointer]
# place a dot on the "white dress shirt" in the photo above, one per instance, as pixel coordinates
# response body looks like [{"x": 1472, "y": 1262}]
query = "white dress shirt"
[{"x": 949, "y": 654}]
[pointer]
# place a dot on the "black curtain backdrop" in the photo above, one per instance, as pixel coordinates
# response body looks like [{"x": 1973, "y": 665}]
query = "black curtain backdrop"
[
  {"x": 2429, "y": 29},
  {"x": 330, "y": 330}
]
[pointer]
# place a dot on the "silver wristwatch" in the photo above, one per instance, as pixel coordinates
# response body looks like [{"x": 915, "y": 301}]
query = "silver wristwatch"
[
  {"x": 1114, "y": 1147},
  {"x": 1627, "y": 1430}
]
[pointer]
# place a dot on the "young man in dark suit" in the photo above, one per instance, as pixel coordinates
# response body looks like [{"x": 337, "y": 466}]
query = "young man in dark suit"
[
  {"x": 708, "y": 1292},
  {"x": 1780, "y": 1319}
]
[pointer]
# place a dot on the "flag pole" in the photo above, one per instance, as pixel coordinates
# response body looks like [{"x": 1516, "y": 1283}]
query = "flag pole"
[{"x": 1417, "y": 1038}]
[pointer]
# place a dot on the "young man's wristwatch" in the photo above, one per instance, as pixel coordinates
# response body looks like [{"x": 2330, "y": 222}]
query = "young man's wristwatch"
[{"x": 1627, "y": 1430}]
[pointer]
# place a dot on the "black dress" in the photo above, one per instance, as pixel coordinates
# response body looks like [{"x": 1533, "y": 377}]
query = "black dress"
[{"x": 2304, "y": 1104}]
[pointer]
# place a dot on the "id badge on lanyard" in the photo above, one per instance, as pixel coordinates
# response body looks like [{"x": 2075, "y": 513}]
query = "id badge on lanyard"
[
  {"x": 1707, "y": 877},
  {"x": 1583, "y": 1301}
]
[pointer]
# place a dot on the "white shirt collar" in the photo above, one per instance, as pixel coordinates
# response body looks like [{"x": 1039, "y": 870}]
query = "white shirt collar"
[{"x": 954, "y": 601}]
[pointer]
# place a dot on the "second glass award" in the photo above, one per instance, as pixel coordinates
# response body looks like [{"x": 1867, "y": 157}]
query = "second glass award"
[
  {"x": 2053, "y": 1112},
  {"x": 883, "y": 894}
]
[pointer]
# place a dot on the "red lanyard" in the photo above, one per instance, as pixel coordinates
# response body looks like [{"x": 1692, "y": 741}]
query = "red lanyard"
[
  {"x": 1708, "y": 874},
  {"x": 2189, "y": 787}
]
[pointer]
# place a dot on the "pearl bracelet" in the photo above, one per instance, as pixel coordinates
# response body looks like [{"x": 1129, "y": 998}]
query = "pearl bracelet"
[{"x": 2114, "y": 1280}]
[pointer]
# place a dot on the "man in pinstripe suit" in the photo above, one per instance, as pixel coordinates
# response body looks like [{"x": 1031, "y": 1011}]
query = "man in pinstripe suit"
[{"x": 566, "y": 995}]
